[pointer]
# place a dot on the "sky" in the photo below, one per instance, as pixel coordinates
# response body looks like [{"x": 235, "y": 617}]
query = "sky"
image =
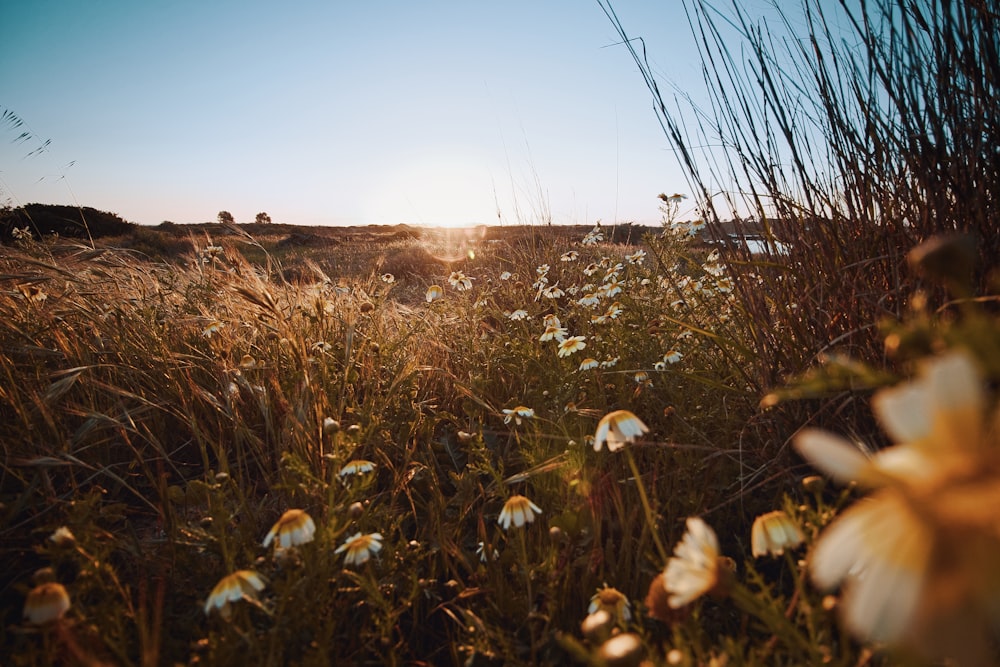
[{"x": 452, "y": 113}]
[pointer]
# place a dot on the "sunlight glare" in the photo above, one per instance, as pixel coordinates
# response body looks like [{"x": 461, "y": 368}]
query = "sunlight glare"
[{"x": 436, "y": 191}]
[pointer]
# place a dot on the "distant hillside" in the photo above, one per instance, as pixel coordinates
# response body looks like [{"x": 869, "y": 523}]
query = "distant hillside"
[{"x": 66, "y": 221}]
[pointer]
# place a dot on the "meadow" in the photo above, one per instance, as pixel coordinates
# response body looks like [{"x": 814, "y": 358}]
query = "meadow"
[{"x": 608, "y": 445}]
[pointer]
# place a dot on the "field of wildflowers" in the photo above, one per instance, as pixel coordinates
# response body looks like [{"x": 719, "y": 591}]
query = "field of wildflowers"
[
  {"x": 522, "y": 446},
  {"x": 542, "y": 454}
]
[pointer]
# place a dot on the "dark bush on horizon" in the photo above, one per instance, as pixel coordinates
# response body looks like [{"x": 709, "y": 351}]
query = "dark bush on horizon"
[{"x": 78, "y": 222}]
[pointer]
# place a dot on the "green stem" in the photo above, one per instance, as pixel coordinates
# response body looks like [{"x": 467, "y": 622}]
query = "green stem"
[{"x": 650, "y": 519}]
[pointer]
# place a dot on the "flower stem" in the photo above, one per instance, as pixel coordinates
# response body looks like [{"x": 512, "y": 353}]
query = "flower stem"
[{"x": 650, "y": 519}]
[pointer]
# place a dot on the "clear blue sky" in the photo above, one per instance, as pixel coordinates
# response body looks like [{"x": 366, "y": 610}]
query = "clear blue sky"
[{"x": 330, "y": 112}]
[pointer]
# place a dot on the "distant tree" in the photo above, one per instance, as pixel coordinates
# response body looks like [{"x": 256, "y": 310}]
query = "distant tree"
[
  {"x": 225, "y": 217},
  {"x": 262, "y": 219}
]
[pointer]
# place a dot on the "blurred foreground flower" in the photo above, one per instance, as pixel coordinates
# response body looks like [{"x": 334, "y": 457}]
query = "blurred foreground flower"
[
  {"x": 434, "y": 292},
  {"x": 774, "y": 532},
  {"x": 63, "y": 537},
  {"x": 293, "y": 528},
  {"x": 614, "y": 602},
  {"x": 519, "y": 511},
  {"x": 517, "y": 414},
  {"x": 920, "y": 556},
  {"x": 696, "y": 567},
  {"x": 356, "y": 467},
  {"x": 618, "y": 428},
  {"x": 46, "y": 603},
  {"x": 459, "y": 281},
  {"x": 233, "y": 588},
  {"x": 360, "y": 548}
]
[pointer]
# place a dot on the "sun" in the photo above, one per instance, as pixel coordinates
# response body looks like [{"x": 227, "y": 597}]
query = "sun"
[{"x": 435, "y": 191}]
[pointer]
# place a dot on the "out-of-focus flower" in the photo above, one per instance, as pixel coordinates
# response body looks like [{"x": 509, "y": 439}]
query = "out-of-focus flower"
[
  {"x": 774, "y": 532},
  {"x": 569, "y": 256},
  {"x": 625, "y": 648},
  {"x": 694, "y": 569},
  {"x": 551, "y": 320},
  {"x": 589, "y": 300},
  {"x": 553, "y": 292},
  {"x": 553, "y": 332},
  {"x": 614, "y": 310},
  {"x": 506, "y": 275},
  {"x": 571, "y": 345},
  {"x": 542, "y": 269},
  {"x": 610, "y": 288},
  {"x": 591, "y": 269},
  {"x": 679, "y": 229},
  {"x": 518, "y": 510},
  {"x": 518, "y": 314},
  {"x": 360, "y": 548},
  {"x": 618, "y": 428},
  {"x": 593, "y": 237},
  {"x": 356, "y": 467},
  {"x": 46, "y": 603},
  {"x": 672, "y": 356},
  {"x": 656, "y": 602},
  {"x": 62, "y": 537},
  {"x": 293, "y": 528},
  {"x": 517, "y": 414},
  {"x": 460, "y": 281},
  {"x": 638, "y": 257},
  {"x": 588, "y": 364},
  {"x": 918, "y": 557},
  {"x": 214, "y": 327},
  {"x": 247, "y": 362},
  {"x": 486, "y": 554},
  {"x": 434, "y": 292},
  {"x": 233, "y": 588},
  {"x": 388, "y": 278},
  {"x": 610, "y": 363},
  {"x": 330, "y": 425},
  {"x": 614, "y": 602},
  {"x": 33, "y": 293}
]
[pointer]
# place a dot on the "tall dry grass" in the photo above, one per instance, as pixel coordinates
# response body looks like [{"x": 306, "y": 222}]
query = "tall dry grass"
[{"x": 850, "y": 133}]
